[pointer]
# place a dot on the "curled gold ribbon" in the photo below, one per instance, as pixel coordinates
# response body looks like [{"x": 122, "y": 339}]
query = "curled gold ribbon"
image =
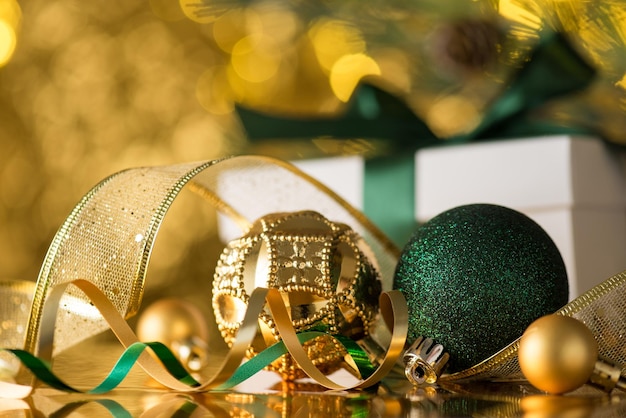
[{"x": 394, "y": 310}]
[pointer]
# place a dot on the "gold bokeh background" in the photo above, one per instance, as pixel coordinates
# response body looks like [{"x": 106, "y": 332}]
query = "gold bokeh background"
[{"x": 91, "y": 88}]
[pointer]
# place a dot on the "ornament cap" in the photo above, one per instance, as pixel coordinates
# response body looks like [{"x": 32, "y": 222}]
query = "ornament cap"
[
  {"x": 607, "y": 376},
  {"x": 424, "y": 361}
]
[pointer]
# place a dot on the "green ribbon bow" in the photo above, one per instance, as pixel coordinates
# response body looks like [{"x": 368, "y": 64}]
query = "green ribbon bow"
[{"x": 553, "y": 69}]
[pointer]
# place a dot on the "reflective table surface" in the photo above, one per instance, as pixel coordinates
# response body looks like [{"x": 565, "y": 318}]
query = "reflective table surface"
[{"x": 264, "y": 395}]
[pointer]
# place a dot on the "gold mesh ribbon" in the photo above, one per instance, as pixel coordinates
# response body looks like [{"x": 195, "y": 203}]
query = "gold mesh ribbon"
[{"x": 108, "y": 237}]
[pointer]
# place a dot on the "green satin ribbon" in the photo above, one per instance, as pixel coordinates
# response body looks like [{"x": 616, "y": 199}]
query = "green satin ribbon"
[
  {"x": 553, "y": 69},
  {"x": 273, "y": 352},
  {"x": 43, "y": 371}
]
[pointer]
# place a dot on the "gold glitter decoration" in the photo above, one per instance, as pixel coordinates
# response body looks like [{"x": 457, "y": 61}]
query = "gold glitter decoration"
[{"x": 322, "y": 273}]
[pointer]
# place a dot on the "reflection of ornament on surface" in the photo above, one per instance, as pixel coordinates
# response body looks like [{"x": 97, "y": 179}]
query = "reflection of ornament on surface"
[
  {"x": 475, "y": 276},
  {"x": 180, "y": 326},
  {"x": 424, "y": 361},
  {"x": 558, "y": 354},
  {"x": 321, "y": 270},
  {"x": 555, "y": 406}
]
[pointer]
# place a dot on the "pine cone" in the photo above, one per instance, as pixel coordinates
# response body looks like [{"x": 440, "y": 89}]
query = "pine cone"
[{"x": 467, "y": 46}]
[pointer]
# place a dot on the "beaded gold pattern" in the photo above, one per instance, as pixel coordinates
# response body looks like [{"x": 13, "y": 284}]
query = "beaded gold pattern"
[{"x": 322, "y": 273}]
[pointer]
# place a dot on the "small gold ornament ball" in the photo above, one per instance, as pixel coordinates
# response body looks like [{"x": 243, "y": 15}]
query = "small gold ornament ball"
[
  {"x": 169, "y": 320},
  {"x": 557, "y": 354},
  {"x": 179, "y": 325}
]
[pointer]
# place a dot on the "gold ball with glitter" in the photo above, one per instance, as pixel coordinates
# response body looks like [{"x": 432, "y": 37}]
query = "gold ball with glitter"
[{"x": 322, "y": 271}]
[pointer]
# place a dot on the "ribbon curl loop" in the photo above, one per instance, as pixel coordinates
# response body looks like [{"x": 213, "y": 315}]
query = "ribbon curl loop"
[{"x": 169, "y": 373}]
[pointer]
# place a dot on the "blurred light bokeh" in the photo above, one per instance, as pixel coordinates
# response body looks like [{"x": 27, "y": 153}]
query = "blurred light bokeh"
[{"x": 91, "y": 88}]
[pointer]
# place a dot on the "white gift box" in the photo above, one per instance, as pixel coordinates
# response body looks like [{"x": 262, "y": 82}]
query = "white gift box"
[
  {"x": 572, "y": 186},
  {"x": 343, "y": 175}
]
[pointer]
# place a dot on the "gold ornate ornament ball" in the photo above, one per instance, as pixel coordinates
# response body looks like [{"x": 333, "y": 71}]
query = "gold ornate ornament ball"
[
  {"x": 179, "y": 325},
  {"x": 557, "y": 353},
  {"x": 321, "y": 269}
]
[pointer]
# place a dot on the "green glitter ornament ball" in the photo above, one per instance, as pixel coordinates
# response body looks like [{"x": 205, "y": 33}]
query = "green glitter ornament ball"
[{"x": 475, "y": 277}]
